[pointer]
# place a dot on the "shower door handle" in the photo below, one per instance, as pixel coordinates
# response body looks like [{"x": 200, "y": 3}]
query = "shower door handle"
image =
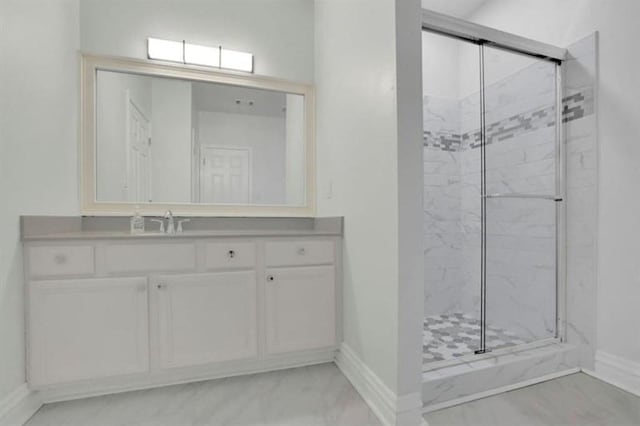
[{"x": 556, "y": 198}]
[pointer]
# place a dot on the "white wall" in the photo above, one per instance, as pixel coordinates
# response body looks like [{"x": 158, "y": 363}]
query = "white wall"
[
  {"x": 38, "y": 151},
  {"x": 369, "y": 165},
  {"x": 562, "y": 23},
  {"x": 278, "y": 32},
  {"x": 357, "y": 154}
]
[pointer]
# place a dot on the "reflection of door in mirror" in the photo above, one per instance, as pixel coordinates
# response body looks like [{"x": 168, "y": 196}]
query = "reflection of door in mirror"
[
  {"x": 138, "y": 154},
  {"x": 225, "y": 175}
]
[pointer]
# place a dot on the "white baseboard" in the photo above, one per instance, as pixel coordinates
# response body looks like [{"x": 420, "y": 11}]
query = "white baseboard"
[
  {"x": 18, "y": 407},
  {"x": 177, "y": 376},
  {"x": 390, "y": 409},
  {"x": 617, "y": 371},
  {"x": 499, "y": 390}
]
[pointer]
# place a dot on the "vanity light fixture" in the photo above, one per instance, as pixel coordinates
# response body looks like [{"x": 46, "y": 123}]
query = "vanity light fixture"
[
  {"x": 195, "y": 54},
  {"x": 165, "y": 50},
  {"x": 230, "y": 59},
  {"x": 201, "y": 55}
]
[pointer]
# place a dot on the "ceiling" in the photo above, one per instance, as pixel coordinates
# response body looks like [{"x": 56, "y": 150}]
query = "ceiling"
[
  {"x": 214, "y": 97},
  {"x": 457, "y": 8}
]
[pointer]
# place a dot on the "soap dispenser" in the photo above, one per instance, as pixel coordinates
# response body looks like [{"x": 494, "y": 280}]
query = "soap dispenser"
[{"x": 137, "y": 222}]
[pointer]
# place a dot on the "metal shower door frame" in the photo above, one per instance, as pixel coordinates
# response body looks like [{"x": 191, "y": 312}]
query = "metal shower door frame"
[{"x": 484, "y": 36}]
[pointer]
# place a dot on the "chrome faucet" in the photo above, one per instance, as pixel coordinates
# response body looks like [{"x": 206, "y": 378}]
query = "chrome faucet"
[{"x": 171, "y": 227}]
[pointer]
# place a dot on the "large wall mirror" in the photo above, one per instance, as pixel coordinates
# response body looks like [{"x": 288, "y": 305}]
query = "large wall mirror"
[{"x": 201, "y": 142}]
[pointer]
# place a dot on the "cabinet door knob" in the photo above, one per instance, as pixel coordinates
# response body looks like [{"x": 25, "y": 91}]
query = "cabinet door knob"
[
  {"x": 161, "y": 286},
  {"x": 271, "y": 278},
  {"x": 232, "y": 254}
]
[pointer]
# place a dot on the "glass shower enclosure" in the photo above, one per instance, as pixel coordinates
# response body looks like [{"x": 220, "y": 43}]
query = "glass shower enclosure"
[{"x": 494, "y": 185}]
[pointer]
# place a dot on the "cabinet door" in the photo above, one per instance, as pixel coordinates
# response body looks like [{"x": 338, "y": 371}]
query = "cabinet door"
[
  {"x": 207, "y": 318},
  {"x": 87, "y": 329},
  {"x": 300, "y": 309}
]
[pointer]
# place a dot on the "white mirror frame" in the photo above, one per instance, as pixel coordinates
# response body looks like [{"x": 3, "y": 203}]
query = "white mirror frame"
[{"x": 90, "y": 64}]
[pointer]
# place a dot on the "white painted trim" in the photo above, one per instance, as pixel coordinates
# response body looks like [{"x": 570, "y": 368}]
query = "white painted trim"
[
  {"x": 384, "y": 403},
  {"x": 18, "y": 407},
  {"x": 496, "y": 391},
  {"x": 469, "y": 30},
  {"x": 98, "y": 387},
  {"x": 617, "y": 371}
]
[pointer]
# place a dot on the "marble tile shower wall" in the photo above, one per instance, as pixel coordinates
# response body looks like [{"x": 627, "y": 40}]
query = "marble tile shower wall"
[
  {"x": 520, "y": 151},
  {"x": 443, "y": 231}
]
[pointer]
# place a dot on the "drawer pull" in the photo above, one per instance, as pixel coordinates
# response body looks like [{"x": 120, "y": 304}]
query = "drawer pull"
[
  {"x": 60, "y": 259},
  {"x": 232, "y": 254},
  {"x": 301, "y": 251}
]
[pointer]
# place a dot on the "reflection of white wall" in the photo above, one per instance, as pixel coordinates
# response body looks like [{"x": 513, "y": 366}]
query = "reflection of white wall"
[
  {"x": 265, "y": 136},
  {"x": 171, "y": 140},
  {"x": 113, "y": 90},
  {"x": 295, "y": 151}
]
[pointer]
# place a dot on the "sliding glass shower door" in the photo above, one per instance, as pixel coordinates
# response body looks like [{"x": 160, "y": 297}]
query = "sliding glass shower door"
[
  {"x": 492, "y": 201},
  {"x": 522, "y": 195}
]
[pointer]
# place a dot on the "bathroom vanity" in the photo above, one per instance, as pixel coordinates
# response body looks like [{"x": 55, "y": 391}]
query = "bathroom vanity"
[{"x": 111, "y": 311}]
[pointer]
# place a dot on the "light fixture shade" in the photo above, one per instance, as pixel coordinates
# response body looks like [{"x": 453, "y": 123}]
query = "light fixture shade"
[
  {"x": 201, "y": 55},
  {"x": 166, "y": 50},
  {"x": 233, "y": 60}
]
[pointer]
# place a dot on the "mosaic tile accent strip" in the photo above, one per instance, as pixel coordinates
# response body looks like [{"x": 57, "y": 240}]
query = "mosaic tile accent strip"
[
  {"x": 578, "y": 105},
  {"x": 512, "y": 127},
  {"x": 444, "y": 141},
  {"x": 574, "y": 107},
  {"x": 447, "y": 337}
]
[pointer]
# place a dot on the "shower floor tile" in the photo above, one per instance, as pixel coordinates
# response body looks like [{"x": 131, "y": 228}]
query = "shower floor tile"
[{"x": 451, "y": 336}]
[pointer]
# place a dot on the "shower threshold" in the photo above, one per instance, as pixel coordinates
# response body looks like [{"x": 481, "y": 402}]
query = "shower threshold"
[
  {"x": 495, "y": 372},
  {"x": 453, "y": 338}
]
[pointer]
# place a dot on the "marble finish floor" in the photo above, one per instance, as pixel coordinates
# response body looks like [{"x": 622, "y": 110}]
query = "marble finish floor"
[
  {"x": 451, "y": 336},
  {"x": 308, "y": 396},
  {"x": 575, "y": 400}
]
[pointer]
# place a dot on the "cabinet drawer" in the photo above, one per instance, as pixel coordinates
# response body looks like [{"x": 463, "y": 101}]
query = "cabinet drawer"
[
  {"x": 292, "y": 253},
  {"x": 230, "y": 255},
  {"x": 61, "y": 260},
  {"x": 121, "y": 258}
]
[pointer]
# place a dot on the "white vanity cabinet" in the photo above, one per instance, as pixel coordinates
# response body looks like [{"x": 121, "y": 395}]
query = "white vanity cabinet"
[{"x": 140, "y": 311}]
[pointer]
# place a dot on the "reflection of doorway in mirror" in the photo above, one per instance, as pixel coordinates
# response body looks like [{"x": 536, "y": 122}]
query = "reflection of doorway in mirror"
[
  {"x": 138, "y": 154},
  {"x": 225, "y": 175}
]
